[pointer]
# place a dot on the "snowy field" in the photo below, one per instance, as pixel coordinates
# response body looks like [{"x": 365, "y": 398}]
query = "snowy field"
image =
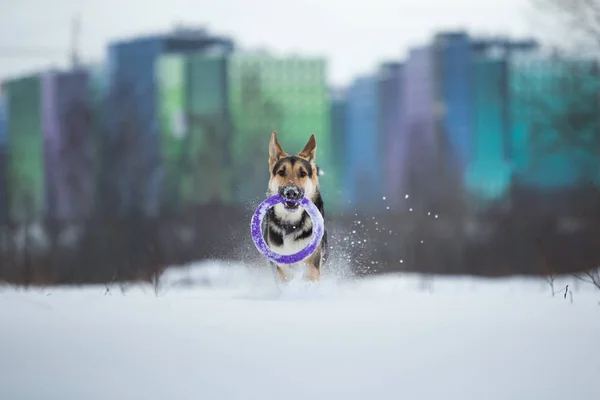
[{"x": 222, "y": 331}]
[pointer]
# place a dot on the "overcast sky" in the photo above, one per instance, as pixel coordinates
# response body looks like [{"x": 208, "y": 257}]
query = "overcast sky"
[{"x": 355, "y": 35}]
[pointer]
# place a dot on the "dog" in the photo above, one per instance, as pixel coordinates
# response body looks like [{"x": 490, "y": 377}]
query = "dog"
[{"x": 287, "y": 227}]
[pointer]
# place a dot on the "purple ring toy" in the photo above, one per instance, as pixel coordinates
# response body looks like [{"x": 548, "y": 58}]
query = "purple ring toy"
[{"x": 261, "y": 245}]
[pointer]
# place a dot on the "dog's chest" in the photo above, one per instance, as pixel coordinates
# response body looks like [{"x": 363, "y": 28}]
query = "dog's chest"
[
  {"x": 292, "y": 245},
  {"x": 292, "y": 241}
]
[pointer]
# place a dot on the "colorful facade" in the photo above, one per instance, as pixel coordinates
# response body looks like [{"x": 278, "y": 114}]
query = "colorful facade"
[
  {"x": 289, "y": 95},
  {"x": 420, "y": 157},
  {"x": 178, "y": 120},
  {"x": 195, "y": 130},
  {"x": 217, "y": 112},
  {"x": 3, "y": 159},
  {"x": 171, "y": 107},
  {"x": 338, "y": 129},
  {"x": 25, "y": 149},
  {"x": 68, "y": 145},
  {"x": 98, "y": 89},
  {"x": 362, "y": 175},
  {"x": 210, "y": 167},
  {"x": 488, "y": 175},
  {"x": 554, "y": 108},
  {"x": 131, "y": 127},
  {"x": 3, "y": 120},
  {"x": 98, "y": 99},
  {"x": 134, "y": 124},
  {"x": 453, "y": 72},
  {"x": 389, "y": 88}
]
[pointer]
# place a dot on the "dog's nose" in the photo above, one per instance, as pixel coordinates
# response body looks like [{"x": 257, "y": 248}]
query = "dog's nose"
[{"x": 292, "y": 193}]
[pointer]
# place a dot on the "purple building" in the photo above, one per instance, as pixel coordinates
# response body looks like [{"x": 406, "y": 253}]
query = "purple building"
[
  {"x": 67, "y": 135},
  {"x": 3, "y": 120},
  {"x": 418, "y": 151},
  {"x": 389, "y": 112}
]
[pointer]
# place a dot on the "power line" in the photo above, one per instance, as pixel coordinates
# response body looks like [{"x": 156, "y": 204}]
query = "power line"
[{"x": 31, "y": 52}]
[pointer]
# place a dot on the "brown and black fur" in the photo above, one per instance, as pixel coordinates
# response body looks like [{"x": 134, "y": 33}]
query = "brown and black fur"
[{"x": 286, "y": 230}]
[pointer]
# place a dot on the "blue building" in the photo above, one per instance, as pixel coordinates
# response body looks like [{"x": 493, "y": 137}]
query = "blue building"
[
  {"x": 133, "y": 120},
  {"x": 453, "y": 91},
  {"x": 501, "y": 50},
  {"x": 489, "y": 173},
  {"x": 362, "y": 180}
]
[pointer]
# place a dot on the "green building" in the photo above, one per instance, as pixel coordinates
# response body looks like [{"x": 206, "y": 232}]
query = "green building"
[
  {"x": 195, "y": 130},
  {"x": 171, "y": 109},
  {"x": 25, "y": 149},
  {"x": 209, "y": 128},
  {"x": 289, "y": 95},
  {"x": 217, "y": 113}
]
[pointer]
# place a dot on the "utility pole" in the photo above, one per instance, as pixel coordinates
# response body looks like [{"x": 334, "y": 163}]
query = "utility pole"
[{"x": 75, "y": 34}]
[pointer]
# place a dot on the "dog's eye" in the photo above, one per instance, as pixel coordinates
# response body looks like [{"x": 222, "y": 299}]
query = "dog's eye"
[
  {"x": 302, "y": 174},
  {"x": 281, "y": 173}
]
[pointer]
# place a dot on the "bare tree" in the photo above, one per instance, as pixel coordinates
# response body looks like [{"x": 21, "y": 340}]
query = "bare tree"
[
  {"x": 592, "y": 276},
  {"x": 580, "y": 18},
  {"x": 576, "y": 123},
  {"x": 564, "y": 113}
]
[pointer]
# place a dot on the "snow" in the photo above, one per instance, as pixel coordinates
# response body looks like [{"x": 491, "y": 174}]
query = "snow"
[{"x": 223, "y": 331}]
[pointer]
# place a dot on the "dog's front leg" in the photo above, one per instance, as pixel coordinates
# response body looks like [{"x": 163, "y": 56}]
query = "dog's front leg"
[
  {"x": 313, "y": 273},
  {"x": 282, "y": 274},
  {"x": 313, "y": 264}
]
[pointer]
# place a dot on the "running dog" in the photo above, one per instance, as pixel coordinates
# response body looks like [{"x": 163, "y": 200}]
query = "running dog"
[{"x": 287, "y": 227}]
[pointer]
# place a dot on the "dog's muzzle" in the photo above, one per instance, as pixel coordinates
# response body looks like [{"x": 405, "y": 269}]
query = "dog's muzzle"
[{"x": 292, "y": 194}]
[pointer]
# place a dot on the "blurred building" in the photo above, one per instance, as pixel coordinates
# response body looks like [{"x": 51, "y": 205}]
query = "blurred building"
[
  {"x": 104, "y": 199},
  {"x": 3, "y": 159},
  {"x": 182, "y": 119},
  {"x": 217, "y": 113},
  {"x": 389, "y": 87},
  {"x": 421, "y": 148},
  {"x": 489, "y": 174},
  {"x": 25, "y": 148},
  {"x": 363, "y": 182},
  {"x": 195, "y": 129},
  {"x": 555, "y": 124},
  {"x": 453, "y": 74},
  {"x": 287, "y": 94},
  {"x": 338, "y": 128},
  {"x": 133, "y": 121},
  {"x": 67, "y": 118},
  {"x": 98, "y": 86},
  {"x": 3, "y": 119},
  {"x": 49, "y": 146}
]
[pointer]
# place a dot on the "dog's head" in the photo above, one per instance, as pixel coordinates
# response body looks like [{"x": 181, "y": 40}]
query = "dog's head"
[{"x": 293, "y": 176}]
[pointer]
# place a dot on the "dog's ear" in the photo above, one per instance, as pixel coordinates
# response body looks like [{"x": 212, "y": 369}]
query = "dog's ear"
[
  {"x": 310, "y": 150},
  {"x": 275, "y": 150}
]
